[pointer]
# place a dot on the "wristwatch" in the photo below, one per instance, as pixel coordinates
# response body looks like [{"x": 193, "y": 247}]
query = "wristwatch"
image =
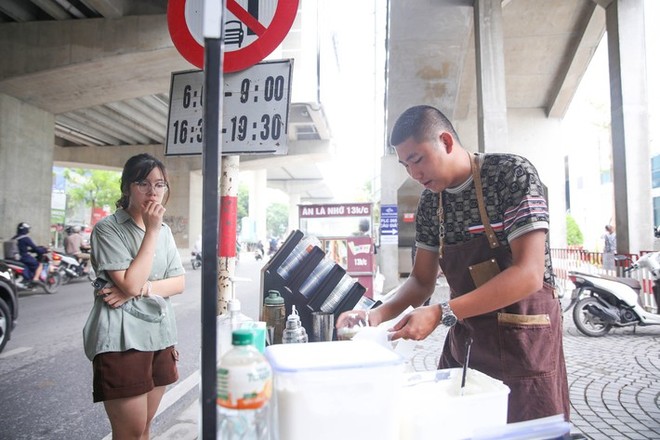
[{"x": 448, "y": 317}]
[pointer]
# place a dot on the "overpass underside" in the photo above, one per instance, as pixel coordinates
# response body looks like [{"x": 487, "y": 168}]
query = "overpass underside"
[{"x": 504, "y": 71}]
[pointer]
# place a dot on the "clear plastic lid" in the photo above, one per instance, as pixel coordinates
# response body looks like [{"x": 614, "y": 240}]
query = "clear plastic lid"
[{"x": 331, "y": 355}]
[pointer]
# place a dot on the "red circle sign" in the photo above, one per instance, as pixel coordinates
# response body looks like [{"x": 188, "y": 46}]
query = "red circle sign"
[{"x": 268, "y": 38}]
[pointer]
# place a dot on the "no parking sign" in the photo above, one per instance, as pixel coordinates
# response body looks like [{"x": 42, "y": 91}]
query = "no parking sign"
[{"x": 252, "y": 30}]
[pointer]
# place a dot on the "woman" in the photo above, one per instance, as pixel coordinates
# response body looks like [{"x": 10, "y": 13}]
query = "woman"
[{"x": 131, "y": 331}]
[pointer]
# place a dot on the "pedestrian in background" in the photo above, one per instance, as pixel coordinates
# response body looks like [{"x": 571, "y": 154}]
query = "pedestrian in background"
[
  {"x": 609, "y": 248},
  {"x": 131, "y": 332}
]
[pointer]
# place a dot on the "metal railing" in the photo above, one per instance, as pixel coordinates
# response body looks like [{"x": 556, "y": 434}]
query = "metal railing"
[{"x": 580, "y": 260}]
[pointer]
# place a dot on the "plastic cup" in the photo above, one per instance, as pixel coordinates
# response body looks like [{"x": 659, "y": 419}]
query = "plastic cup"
[{"x": 322, "y": 326}]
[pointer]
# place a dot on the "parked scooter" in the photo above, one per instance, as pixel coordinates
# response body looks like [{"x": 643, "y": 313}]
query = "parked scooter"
[
  {"x": 49, "y": 278},
  {"x": 602, "y": 302},
  {"x": 196, "y": 260},
  {"x": 70, "y": 267}
]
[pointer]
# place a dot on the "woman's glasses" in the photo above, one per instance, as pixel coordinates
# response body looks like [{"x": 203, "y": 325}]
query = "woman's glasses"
[{"x": 144, "y": 186}]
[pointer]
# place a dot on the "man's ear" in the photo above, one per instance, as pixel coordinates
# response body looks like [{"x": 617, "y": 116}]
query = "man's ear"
[{"x": 448, "y": 140}]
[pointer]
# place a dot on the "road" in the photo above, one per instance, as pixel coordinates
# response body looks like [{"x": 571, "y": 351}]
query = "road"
[{"x": 46, "y": 380}]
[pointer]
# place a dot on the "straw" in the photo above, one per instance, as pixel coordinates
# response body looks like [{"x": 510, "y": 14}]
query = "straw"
[{"x": 468, "y": 345}]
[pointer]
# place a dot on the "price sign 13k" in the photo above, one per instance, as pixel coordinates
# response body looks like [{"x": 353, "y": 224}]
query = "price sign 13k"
[{"x": 255, "y": 111}]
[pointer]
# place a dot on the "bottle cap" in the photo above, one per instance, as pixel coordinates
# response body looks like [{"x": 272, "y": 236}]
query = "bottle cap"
[
  {"x": 234, "y": 305},
  {"x": 293, "y": 320},
  {"x": 274, "y": 298},
  {"x": 242, "y": 337},
  {"x": 294, "y": 316}
]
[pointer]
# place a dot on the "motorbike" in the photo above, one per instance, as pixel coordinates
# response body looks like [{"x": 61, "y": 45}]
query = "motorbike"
[
  {"x": 70, "y": 267},
  {"x": 49, "y": 279},
  {"x": 196, "y": 257},
  {"x": 602, "y": 302},
  {"x": 196, "y": 260}
]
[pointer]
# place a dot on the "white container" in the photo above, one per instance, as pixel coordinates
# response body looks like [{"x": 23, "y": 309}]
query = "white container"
[
  {"x": 433, "y": 407},
  {"x": 335, "y": 390}
]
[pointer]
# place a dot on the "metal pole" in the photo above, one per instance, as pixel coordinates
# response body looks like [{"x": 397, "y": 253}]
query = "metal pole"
[{"x": 211, "y": 155}]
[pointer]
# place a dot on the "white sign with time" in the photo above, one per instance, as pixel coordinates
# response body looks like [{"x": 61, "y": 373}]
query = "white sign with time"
[{"x": 255, "y": 111}]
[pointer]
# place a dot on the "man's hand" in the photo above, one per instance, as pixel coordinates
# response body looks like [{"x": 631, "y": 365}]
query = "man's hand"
[
  {"x": 417, "y": 324},
  {"x": 352, "y": 318}
]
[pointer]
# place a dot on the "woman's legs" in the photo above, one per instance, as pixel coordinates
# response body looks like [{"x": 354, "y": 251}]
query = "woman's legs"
[{"x": 130, "y": 417}]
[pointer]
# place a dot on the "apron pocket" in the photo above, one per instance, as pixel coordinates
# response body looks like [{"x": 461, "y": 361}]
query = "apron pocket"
[{"x": 527, "y": 345}]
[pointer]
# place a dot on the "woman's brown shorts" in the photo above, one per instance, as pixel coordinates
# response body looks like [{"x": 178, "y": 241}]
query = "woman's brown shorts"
[{"x": 132, "y": 373}]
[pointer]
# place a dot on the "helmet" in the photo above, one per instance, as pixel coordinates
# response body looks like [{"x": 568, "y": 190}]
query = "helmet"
[
  {"x": 22, "y": 228},
  {"x": 75, "y": 229}
]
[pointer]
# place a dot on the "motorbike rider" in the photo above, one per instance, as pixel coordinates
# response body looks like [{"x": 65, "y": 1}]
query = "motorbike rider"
[
  {"x": 25, "y": 247},
  {"x": 272, "y": 246},
  {"x": 73, "y": 245}
]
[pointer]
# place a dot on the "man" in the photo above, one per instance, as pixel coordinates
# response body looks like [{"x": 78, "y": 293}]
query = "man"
[
  {"x": 484, "y": 219},
  {"x": 73, "y": 244},
  {"x": 609, "y": 249}
]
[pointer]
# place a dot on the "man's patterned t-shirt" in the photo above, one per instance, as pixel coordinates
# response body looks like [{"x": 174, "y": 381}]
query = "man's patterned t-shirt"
[{"x": 515, "y": 202}]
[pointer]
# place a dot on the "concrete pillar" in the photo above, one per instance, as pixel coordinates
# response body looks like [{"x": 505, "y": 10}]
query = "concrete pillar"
[
  {"x": 491, "y": 87},
  {"x": 177, "y": 216},
  {"x": 258, "y": 202},
  {"x": 388, "y": 254},
  {"x": 532, "y": 128},
  {"x": 26, "y": 168},
  {"x": 630, "y": 139}
]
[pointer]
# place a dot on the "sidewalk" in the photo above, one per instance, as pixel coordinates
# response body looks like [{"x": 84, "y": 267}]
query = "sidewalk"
[{"x": 614, "y": 382}]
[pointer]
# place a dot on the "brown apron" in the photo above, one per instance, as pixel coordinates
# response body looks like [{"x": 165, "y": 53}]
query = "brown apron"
[{"x": 521, "y": 345}]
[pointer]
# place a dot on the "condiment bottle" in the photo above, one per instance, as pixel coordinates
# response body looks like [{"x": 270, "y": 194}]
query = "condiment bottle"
[
  {"x": 294, "y": 331},
  {"x": 274, "y": 314}
]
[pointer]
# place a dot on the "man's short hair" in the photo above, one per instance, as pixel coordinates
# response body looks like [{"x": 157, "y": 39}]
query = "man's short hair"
[{"x": 422, "y": 123}]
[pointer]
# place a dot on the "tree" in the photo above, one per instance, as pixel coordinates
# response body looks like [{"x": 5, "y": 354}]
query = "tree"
[
  {"x": 573, "y": 234},
  {"x": 243, "y": 204},
  {"x": 91, "y": 188},
  {"x": 277, "y": 219}
]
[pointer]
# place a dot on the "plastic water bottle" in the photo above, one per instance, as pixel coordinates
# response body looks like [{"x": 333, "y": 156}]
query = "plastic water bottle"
[
  {"x": 245, "y": 384},
  {"x": 274, "y": 313}
]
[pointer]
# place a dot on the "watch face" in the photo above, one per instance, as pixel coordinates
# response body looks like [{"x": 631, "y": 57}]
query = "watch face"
[
  {"x": 448, "y": 317},
  {"x": 449, "y": 320}
]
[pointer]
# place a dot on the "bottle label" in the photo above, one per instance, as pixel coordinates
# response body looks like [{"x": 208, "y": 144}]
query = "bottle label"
[{"x": 244, "y": 386}]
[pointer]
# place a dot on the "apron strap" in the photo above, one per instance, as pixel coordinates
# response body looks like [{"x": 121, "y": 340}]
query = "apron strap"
[{"x": 476, "y": 176}]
